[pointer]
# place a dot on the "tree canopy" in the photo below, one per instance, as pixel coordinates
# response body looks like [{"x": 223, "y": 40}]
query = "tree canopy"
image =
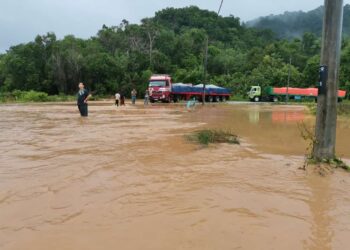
[{"x": 124, "y": 56}]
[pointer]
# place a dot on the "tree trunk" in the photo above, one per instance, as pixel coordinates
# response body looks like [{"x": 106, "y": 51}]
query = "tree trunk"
[{"x": 326, "y": 117}]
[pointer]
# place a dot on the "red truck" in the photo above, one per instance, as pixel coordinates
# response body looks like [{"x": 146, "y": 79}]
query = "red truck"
[{"x": 162, "y": 89}]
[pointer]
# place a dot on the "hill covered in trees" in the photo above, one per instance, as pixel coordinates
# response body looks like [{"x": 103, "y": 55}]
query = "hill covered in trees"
[
  {"x": 122, "y": 57},
  {"x": 295, "y": 24}
]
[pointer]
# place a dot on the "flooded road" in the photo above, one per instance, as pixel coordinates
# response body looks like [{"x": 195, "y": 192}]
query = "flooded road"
[{"x": 127, "y": 179}]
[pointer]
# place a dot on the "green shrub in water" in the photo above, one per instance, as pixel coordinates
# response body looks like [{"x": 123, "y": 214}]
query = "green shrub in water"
[{"x": 208, "y": 136}]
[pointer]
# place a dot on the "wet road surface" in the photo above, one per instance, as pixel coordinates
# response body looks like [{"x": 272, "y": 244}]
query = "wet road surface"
[{"x": 127, "y": 179}]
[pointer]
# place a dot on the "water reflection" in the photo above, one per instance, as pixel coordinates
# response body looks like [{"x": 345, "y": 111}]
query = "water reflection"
[
  {"x": 287, "y": 116},
  {"x": 270, "y": 128},
  {"x": 276, "y": 116},
  {"x": 254, "y": 115},
  {"x": 321, "y": 206}
]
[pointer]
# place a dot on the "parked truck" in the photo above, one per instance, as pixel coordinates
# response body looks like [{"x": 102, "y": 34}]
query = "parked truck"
[
  {"x": 273, "y": 94},
  {"x": 162, "y": 89}
]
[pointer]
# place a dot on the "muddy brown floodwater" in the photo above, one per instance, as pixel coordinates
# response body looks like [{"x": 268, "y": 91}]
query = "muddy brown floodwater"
[{"x": 127, "y": 179}]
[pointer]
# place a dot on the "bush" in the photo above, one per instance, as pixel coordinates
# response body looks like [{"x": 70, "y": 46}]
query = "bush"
[
  {"x": 208, "y": 136},
  {"x": 24, "y": 96},
  {"x": 6, "y": 96},
  {"x": 60, "y": 98},
  {"x": 34, "y": 96},
  {"x": 344, "y": 109},
  {"x": 240, "y": 98}
]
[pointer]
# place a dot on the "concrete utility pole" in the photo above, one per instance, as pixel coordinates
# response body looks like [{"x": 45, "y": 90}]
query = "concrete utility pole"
[
  {"x": 326, "y": 117},
  {"x": 206, "y": 59}
]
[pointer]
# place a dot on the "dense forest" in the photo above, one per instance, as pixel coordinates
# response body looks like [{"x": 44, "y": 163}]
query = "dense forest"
[
  {"x": 174, "y": 42},
  {"x": 295, "y": 24}
]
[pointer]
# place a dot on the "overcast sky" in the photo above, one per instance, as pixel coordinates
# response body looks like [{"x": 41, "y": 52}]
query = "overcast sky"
[{"x": 22, "y": 20}]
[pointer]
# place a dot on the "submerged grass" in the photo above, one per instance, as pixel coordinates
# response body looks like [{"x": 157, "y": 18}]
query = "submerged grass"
[
  {"x": 343, "y": 109},
  {"x": 325, "y": 167},
  {"x": 322, "y": 167},
  {"x": 208, "y": 136}
]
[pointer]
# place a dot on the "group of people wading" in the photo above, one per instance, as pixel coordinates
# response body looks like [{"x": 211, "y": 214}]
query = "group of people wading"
[{"x": 83, "y": 96}]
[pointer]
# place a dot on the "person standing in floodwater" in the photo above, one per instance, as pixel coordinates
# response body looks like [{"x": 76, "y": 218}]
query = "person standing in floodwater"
[
  {"x": 146, "y": 97},
  {"x": 117, "y": 99},
  {"x": 133, "y": 96},
  {"x": 122, "y": 99},
  {"x": 82, "y": 99}
]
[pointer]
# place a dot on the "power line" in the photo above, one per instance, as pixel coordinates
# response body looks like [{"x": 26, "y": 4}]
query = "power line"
[{"x": 222, "y": 1}]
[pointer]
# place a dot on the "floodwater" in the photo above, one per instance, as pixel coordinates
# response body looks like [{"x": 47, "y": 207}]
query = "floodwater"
[{"x": 127, "y": 179}]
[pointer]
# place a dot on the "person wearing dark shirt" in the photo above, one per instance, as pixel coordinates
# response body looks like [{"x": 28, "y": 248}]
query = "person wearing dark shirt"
[
  {"x": 122, "y": 99},
  {"x": 82, "y": 98}
]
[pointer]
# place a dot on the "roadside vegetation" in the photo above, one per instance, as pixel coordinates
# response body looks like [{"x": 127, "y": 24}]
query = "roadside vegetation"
[
  {"x": 18, "y": 96},
  {"x": 210, "y": 136},
  {"x": 343, "y": 108},
  {"x": 32, "y": 96},
  {"x": 239, "y": 98}
]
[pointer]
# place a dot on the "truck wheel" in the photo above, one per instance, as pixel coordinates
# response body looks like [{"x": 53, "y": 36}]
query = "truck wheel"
[
  {"x": 224, "y": 99},
  {"x": 275, "y": 99},
  {"x": 210, "y": 99},
  {"x": 256, "y": 99},
  {"x": 217, "y": 98}
]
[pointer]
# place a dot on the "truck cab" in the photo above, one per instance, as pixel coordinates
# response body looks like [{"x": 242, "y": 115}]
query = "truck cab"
[
  {"x": 159, "y": 88},
  {"x": 255, "y": 93}
]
